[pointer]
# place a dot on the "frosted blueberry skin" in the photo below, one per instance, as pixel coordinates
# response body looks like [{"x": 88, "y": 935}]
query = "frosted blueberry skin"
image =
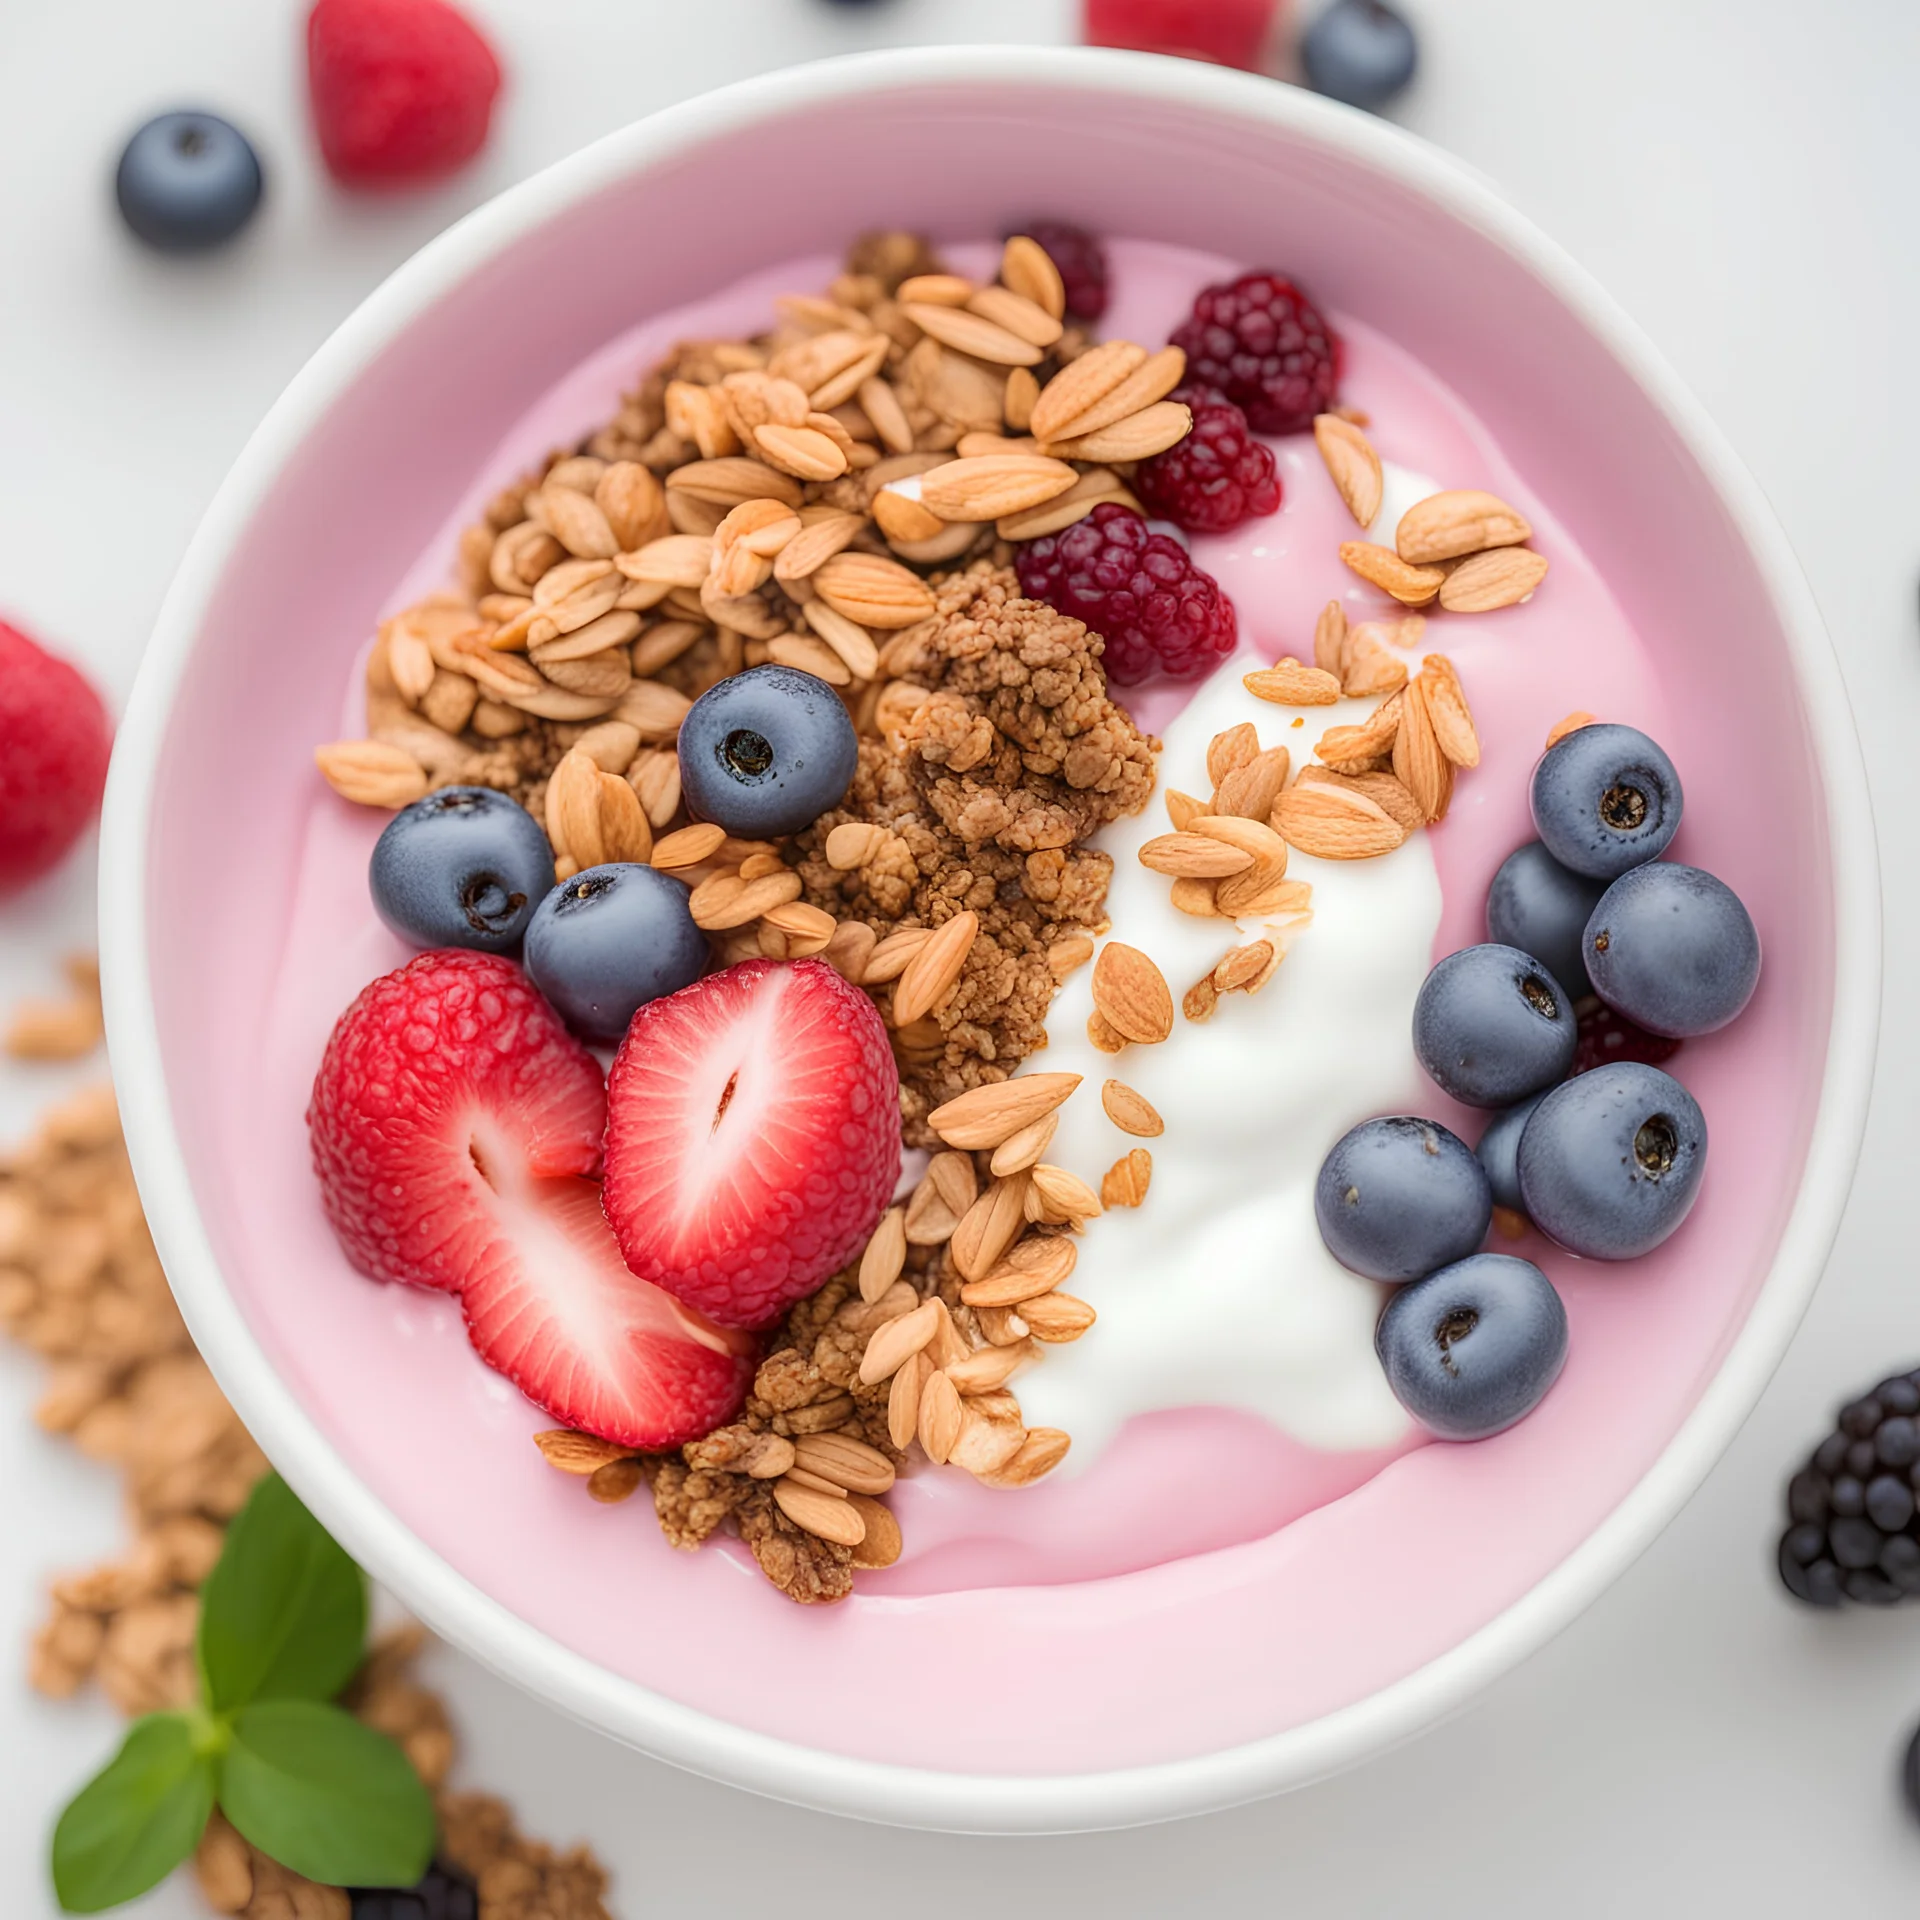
[
  {"x": 1611, "y": 1163},
  {"x": 1492, "y": 1025},
  {"x": 1360, "y": 51},
  {"x": 1499, "y": 1152},
  {"x": 188, "y": 182},
  {"x": 464, "y": 867},
  {"x": 607, "y": 941},
  {"x": 766, "y": 752},
  {"x": 1673, "y": 949},
  {"x": 1605, "y": 798},
  {"x": 1398, "y": 1197},
  {"x": 1473, "y": 1348},
  {"x": 1543, "y": 908}
]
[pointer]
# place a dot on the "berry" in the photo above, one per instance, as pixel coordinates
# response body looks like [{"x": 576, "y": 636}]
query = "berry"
[
  {"x": 188, "y": 182},
  {"x": 1606, "y": 1036},
  {"x": 1397, "y": 1198},
  {"x": 1359, "y": 51},
  {"x": 465, "y": 867},
  {"x": 608, "y": 940},
  {"x": 1473, "y": 1348},
  {"x": 1851, "y": 1532},
  {"x": 1082, "y": 263},
  {"x": 54, "y": 743},
  {"x": 766, "y": 752},
  {"x": 1540, "y": 907},
  {"x": 1499, "y": 1152},
  {"x": 402, "y": 90},
  {"x": 1261, "y": 342},
  {"x": 1491, "y": 1026},
  {"x": 441, "y": 1893},
  {"x": 753, "y": 1136},
  {"x": 1673, "y": 949},
  {"x": 1610, "y": 1163},
  {"x": 1231, "y": 33},
  {"x": 1605, "y": 798},
  {"x": 1218, "y": 476},
  {"x": 453, "y": 1124},
  {"x": 1140, "y": 590}
]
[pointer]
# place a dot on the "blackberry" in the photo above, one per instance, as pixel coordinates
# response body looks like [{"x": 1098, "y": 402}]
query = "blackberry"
[
  {"x": 1851, "y": 1510},
  {"x": 441, "y": 1893},
  {"x": 1082, "y": 262}
]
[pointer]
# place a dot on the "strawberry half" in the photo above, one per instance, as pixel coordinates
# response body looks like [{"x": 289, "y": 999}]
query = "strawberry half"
[
  {"x": 453, "y": 1122},
  {"x": 753, "y": 1136}
]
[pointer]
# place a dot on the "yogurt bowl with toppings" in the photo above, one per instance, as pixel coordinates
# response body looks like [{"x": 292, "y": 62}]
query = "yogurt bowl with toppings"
[{"x": 1228, "y": 1559}]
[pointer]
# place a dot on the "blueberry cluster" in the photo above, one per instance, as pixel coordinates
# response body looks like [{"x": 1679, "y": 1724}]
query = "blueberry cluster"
[
  {"x": 763, "y": 753},
  {"x": 1851, "y": 1532},
  {"x": 1602, "y": 1151}
]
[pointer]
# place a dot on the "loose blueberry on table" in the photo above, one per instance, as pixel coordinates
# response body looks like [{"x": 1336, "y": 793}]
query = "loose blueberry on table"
[
  {"x": 1473, "y": 1348},
  {"x": 1610, "y": 1162},
  {"x": 606, "y": 941},
  {"x": 1605, "y": 798},
  {"x": 188, "y": 182},
  {"x": 766, "y": 752},
  {"x": 1492, "y": 1026},
  {"x": 1360, "y": 51},
  {"x": 465, "y": 867},
  {"x": 1673, "y": 949},
  {"x": 1397, "y": 1198}
]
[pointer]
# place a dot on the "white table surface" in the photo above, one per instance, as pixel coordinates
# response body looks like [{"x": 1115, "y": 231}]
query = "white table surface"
[{"x": 1742, "y": 174}]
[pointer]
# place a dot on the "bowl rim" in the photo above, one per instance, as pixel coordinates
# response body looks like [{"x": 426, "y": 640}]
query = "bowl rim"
[{"x": 460, "y": 1611}]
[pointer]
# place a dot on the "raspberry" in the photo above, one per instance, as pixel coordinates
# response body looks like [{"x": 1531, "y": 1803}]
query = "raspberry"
[
  {"x": 402, "y": 90},
  {"x": 1082, "y": 261},
  {"x": 1232, "y": 33},
  {"x": 1262, "y": 343},
  {"x": 1852, "y": 1532},
  {"x": 53, "y": 758},
  {"x": 1156, "y": 610},
  {"x": 1218, "y": 476},
  {"x": 1607, "y": 1038}
]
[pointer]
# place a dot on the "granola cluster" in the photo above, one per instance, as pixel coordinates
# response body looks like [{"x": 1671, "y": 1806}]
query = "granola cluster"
[{"x": 81, "y": 1285}]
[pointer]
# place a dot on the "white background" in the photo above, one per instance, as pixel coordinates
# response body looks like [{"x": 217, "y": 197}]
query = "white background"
[{"x": 1742, "y": 174}]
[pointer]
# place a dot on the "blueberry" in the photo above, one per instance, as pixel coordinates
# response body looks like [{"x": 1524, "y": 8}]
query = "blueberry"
[
  {"x": 1610, "y": 1163},
  {"x": 1359, "y": 51},
  {"x": 607, "y": 941},
  {"x": 187, "y": 182},
  {"x": 465, "y": 867},
  {"x": 766, "y": 752},
  {"x": 1540, "y": 907},
  {"x": 1397, "y": 1198},
  {"x": 1673, "y": 949},
  {"x": 1473, "y": 1348},
  {"x": 1499, "y": 1152},
  {"x": 1605, "y": 798},
  {"x": 1492, "y": 1025}
]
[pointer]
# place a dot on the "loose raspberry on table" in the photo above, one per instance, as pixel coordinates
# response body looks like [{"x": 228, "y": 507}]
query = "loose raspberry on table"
[
  {"x": 1139, "y": 590},
  {"x": 1215, "y": 478},
  {"x": 54, "y": 742},
  {"x": 1082, "y": 261},
  {"x": 1262, "y": 342}
]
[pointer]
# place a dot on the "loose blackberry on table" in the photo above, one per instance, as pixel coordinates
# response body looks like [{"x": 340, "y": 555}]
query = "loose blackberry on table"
[{"x": 1851, "y": 1532}]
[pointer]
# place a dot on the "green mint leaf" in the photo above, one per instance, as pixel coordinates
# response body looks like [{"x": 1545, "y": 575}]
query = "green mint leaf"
[
  {"x": 135, "y": 1820},
  {"x": 326, "y": 1796},
  {"x": 283, "y": 1615}
]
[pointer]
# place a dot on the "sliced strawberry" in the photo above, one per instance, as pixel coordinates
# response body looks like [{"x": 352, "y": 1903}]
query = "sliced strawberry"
[
  {"x": 441, "y": 1074},
  {"x": 452, "y": 1122},
  {"x": 553, "y": 1307},
  {"x": 753, "y": 1136}
]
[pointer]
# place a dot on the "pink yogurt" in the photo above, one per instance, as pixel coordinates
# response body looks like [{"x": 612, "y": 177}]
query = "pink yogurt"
[{"x": 1323, "y": 1562}]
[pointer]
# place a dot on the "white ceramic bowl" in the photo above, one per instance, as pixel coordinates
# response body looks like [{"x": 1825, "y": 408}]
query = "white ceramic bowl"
[{"x": 356, "y": 465}]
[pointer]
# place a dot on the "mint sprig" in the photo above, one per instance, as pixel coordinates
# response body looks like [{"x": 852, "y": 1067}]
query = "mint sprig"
[{"x": 283, "y": 1619}]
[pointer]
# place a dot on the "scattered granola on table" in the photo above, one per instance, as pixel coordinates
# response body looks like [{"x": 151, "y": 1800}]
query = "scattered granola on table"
[{"x": 81, "y": 1285}]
